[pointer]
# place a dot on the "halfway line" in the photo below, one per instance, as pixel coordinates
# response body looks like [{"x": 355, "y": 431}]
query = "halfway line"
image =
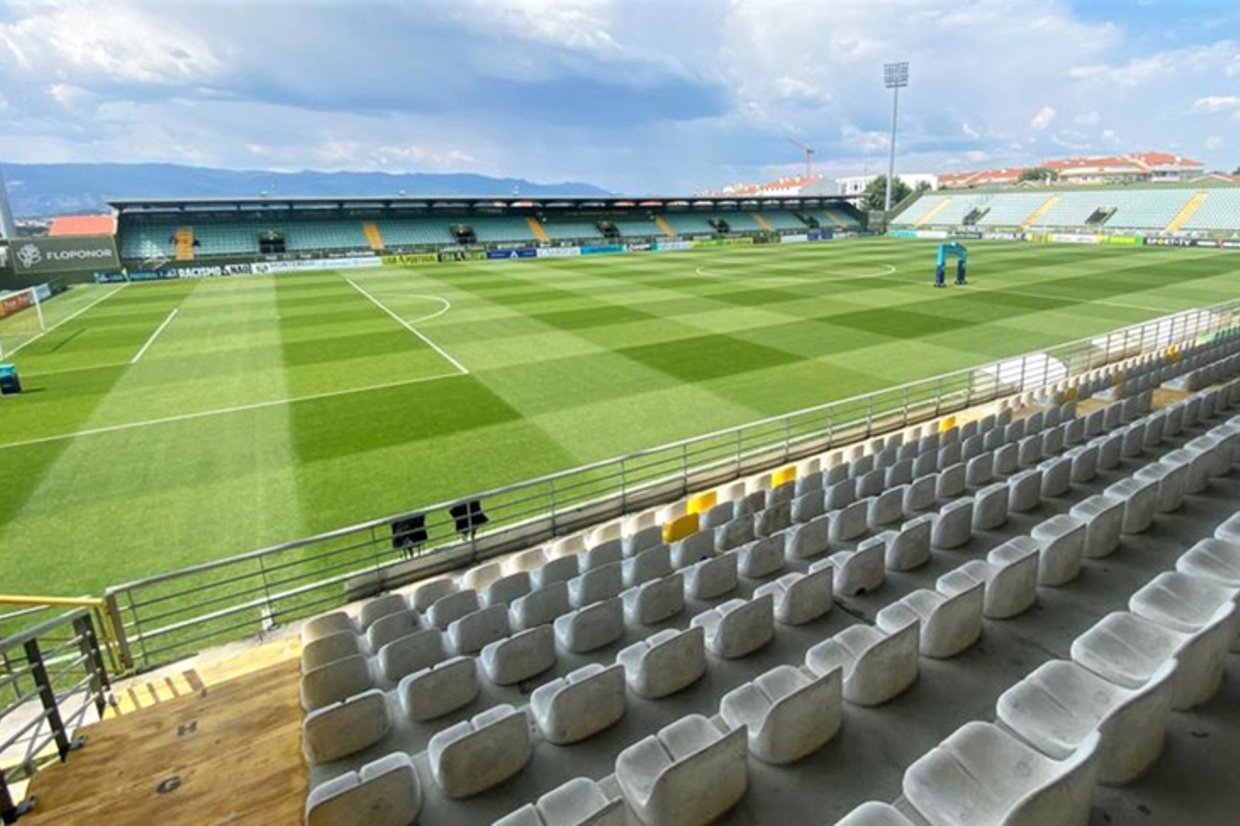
[
  {"x": 460, "y": 367},
  {"x": 154, "y": 336}
]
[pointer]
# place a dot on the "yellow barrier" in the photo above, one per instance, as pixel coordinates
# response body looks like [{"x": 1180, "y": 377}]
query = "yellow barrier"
[
  {"x": 947, "y": 424},
  {"x": 702, "y": 502},
  {"x": 783, "y": 476},
  {"x": 1069, "y": 394},
  {"x": 110, "y": 632},
  {"x": 680, "y": 527}
]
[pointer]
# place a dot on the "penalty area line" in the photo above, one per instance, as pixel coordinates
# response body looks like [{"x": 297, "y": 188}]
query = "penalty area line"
[
  {"x": 67, "y": 318},
  {"x": 146, "y": 346},
  {"x": 223, "y": 411},
  {"x": 464, "y": 371}
]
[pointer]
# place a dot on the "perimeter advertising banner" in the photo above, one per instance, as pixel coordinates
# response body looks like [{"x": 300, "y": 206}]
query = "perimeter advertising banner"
[
  {"x": 558, "y": 252},
  {"x": 446, "y": 255},
  {"x": 410, "y": 258},
  {"x": 39, "y": 256},
  {"x": 673, "y": 246},
  {"x": 601, "y": 249},
  {"x": 519, "y": 252}
]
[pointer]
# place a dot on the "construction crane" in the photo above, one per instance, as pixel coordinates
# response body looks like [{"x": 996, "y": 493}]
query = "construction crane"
[{"x": 809, "y": 156}]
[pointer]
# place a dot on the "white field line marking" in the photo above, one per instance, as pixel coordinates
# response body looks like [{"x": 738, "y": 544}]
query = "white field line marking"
[
  {"x": 67, "y": 318},
  {"x": 154, "y": 336},
  {"x": 1081, "y": 302},
  {"x": 222, "y": 411},
  {"x": 447, "y": 305},
  {"x": 841, "y": 275},
  {"x": 464, "y": 371},
  {"x": 705, "y": 273}
]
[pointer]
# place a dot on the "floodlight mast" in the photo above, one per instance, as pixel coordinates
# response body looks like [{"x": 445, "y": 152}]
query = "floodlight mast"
[
  {"x": 895, "y": 78},
  {"x": 8, "y": 229}
]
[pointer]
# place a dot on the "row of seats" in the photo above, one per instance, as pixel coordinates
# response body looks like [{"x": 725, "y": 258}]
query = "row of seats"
[{"x": 744, "y": 637}]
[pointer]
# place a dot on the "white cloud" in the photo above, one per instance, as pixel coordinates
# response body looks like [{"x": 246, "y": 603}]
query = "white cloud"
[
  {"x": 1214, "y": 143},
  {"x": 969, "y": 131},
  {"x": 1042, "y": 118},
  {"x": 1088, "y": 118},
  {"x": 1217, "y": 103}
]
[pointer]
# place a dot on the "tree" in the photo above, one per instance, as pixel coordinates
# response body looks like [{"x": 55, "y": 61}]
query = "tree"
[
  {"x": 1039, "y": 173},
  {"x": 876, "y": 193},
  {"x": 923, "y": 186},
  {"x": 1236, "y": 171}
]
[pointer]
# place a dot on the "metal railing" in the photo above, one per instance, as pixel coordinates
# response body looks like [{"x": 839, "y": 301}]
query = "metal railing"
[
  {"x": 171, "y": 615},
  {"x": 52, "y": 676}
]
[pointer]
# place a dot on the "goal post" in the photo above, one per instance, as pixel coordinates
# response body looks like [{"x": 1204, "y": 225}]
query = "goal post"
[{"x": 21, "y": 317}]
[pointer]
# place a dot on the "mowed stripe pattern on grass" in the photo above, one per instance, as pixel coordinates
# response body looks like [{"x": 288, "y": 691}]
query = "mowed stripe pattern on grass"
[{"x": 570, "y": 361}]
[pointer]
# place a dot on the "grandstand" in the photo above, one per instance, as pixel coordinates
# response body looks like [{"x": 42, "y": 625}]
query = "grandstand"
[{"x": 1209, "y": 207}]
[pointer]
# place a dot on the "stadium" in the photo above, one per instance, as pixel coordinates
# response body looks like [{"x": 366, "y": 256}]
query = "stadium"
[{"x": 767, "y": 503}]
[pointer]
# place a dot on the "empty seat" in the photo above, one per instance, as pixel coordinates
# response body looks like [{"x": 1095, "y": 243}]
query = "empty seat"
[
  {"x": 1170, "y": 478},
  {"x": 450, "y": 608},
  {"x": 1104, "y": 519},
  {"x": 874, "y": 813},
  {"x": 1139, "y": 497},
  {"x": 1061, "y": 541},
  {"x": 340, "y": 729},
  {"x": 654, "y": 601},
  {"x": 597, "y": 584},
  {"x": 561, "y": 569},
  {"x": 428, "y": 593},
  {"x": 579, "y": 704},
  {"x": 335, "y": 681},
  {"x": 646, "y": 566},
  {"x": 578, "y": 802},
  {"x": 920, "y": 494},
  {"x": 374, "y": 610},
  {"x": 953, "y": 525},
  {"x": 773, "y": 519},
  {"x": 326, "y": 625},
  {"x": 1056, "y": 477},
  {"x": 690, "y": 773},
  {"x": 693, "y": 548},
  {"x": 800, "y": 598},
  {"x": 439, "y": 689},
  {"x": 886, "y": 507},
  {"x": 1214, "y": 559},
  {"x": 950, "y": 622},
  {"x": 1011, "y": 577},
  {"x": 519, "y": 657},
  {"x": 869, "y": 484},
  {"x": 1006, "y": 460},
  {"x": 478, "y": 578},
  {"x": 711, "y": 578},
  {"x": 761, "y": 558},
  {"x": 734, "y": 534},
  {"x": 643, "y": 539},
  {"x": 951, "y": 482},
  {"x": 807, "y": 507},
  {"x": 598, "y": 624},
  {"x": 1128, "y": 650},
  {"x": 1229, "y": 530},
  {"x": 848, "y": 522},
  {"x": 981, "y": 775},
  {"x": 839, "y": 494},
  {"x": 328, "y": 649},
  {"x": 476, "y": 754},
  {"x": 525, "y": 561},
  {"x": 609, "y": 553},
  {"x": 738, "y": 627},
  {"x": 856, "y": 571},
  {"x": 540, "y": 607},
  {"x": 391, "y": 627},
  {"x": 1060, "y": 704},
  {"x": 384, "y": 792},
  {"x": 990, "y": 507},
  {"x": 807, "y": 540},
  {"x": 787, "y": 713},
  {"x": 411, "y": 653},
  {"x": 665, "y": 662},
  {"x": 1186, "y": 603},
  {"x": 472, "y": 632},
  {"x": 877, "y": 666},
  {"x": 909, "y": 547},
  {"x": 1025, "y": 490}
]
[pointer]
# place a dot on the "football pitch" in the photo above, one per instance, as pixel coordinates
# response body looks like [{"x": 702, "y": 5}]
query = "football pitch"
[{"x": 165, "y": 424}]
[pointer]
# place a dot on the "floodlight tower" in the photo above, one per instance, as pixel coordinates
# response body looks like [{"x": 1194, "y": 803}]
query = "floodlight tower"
[
  {"x": 895, "y": 77},
  {"x": 8, "y": 229}
]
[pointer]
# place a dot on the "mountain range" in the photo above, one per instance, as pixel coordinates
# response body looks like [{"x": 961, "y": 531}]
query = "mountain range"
[{"x": 46, "y": 189}]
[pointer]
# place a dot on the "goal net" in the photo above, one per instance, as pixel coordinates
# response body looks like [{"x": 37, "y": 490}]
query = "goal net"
[{"x": 21, "y": 318}]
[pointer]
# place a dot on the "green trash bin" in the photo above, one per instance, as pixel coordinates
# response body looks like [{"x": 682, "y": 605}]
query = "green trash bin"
[{"x": 10, "y": 383}]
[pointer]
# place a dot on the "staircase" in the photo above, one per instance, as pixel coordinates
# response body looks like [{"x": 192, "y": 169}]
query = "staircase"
[
  {"x": 184, "y": 244},
  {"x": 1187, "y": 211},
  {"x": 929, "y": 216},
  {"x": 762, "y": 222},
  {"x": 1037, "y": 214},
  {"x": 662, "y": 224},
  {"x": 373, "y": 236},
  {"x": 536, "y": 227}
]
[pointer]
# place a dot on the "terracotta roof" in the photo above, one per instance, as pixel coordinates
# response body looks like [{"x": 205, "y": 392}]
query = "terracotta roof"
[{"x": 82, "y": 225}]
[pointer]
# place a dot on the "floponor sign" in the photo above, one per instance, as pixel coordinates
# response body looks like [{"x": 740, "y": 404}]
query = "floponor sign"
[{"x": 35, "y": 256}]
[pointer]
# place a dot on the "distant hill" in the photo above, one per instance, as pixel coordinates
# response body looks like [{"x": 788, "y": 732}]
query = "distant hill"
[{"x": 39, "y": 190}]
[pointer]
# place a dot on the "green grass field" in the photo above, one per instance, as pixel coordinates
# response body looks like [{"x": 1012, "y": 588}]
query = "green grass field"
[{"x": 177, "y": 422}]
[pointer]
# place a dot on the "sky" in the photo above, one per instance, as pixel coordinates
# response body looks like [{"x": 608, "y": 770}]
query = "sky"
[{"x": 637, "y": 96}]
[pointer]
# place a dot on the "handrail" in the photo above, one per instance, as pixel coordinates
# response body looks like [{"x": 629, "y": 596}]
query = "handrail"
[{"x": 105, "y": 614}]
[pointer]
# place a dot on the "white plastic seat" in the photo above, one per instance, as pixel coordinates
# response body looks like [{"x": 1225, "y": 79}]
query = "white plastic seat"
[
  {"x": 646, "y": 566},
  {"x": 384, "y": 792},
  {"x": 540, "y": 607},
  {"x": 1006, "y": 460},
  {"x": 878, "y": 667},
  {"x": 1060, "y": 704},
  {"x": 596, "y": 584},
  {"x": 1025, "y": 490},
  {"x": 953, "y": 525},
  {"x": 1229, "y": 529},
  {"x": 688, "y": 774},
  {"x": 807, "y": 507},
  {"x": 451, "y": 607},
  {"x": 875, "y": 813},
  {"x": 476, "y": 754},
  {"x": 869, "y": 483},
  {"x": 439, "y": 689},
  {"x": 848, "y": 522},
  {"x": 340, "y": 729},
  {"x": 856, "y": 571},
  {"x": 761, "y": 558},
  {"x": 1110, "y": 450},
  {"x": 808, "y": 540},
  {"x": 693, "y": 548},
  {"x": 335, "y": 681},
  {"x": 391, "y": 627},
  {"x": 664, "y": 663},
  {"x": 712, "y": 578},
  {"x": 909, "y": 547},
  {"x": 983, "y": 776},
  {"x": 580, "y": 704},
  {"x": 920, "y": 494},
  {"x": 886, "y": 507},
  {"x": 1170, "y": 478},
  {"x": 949, "y": 455},
  {"x": 1128, "y": 650},
  {"x": 1011, "y": 578},
  {"x": 376, "y": 609},
  {"x": 643, "y": 540},
  {"x": 1084, "y": 463},
  {"x": 411, "y": 653},
  {"x": 328, "y": 649},
  {"x": 1186, "y": 603},
  {"x": 427, "y": 594},
  {"x": 654, "y": 601},
  {"x": 599, "y": 556},
  {"x": 738, "y": 627},
  {"x": 472, "y": 632},
  {"x": 951, "y": 482},
  {"x": 734, "y": 534},
  {"x": 1104, "y": 519},
  {"x": 990, "y": 507},
  {"x": 578, "y": 802},
  {"x": 1029, "y": 451},
  {"x": 525, "y": 561},
  {"x": 800, "y": 598},
  {"x": 567, "y": 546},
  {"x": 560, "y": 569},
  {"x": 717, "y": 516},
  {"x": 1214, "y": 559},
  {"x": 950, "y": 623},
  {"x": 594, "y": 626},
  {"x": 788, "y": 714},
  {"x": 480, "y": 576},
  {"x": 519, "y": 657},
  {"x": 1061, "y": 540},
  {"x": 1139, "y": 497},
  {"x": 326, "y": 625},
  {"x": 839, "y": 494}
]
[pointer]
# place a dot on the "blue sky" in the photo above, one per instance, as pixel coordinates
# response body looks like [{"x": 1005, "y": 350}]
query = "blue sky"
[{"x": 634, "y": 95}]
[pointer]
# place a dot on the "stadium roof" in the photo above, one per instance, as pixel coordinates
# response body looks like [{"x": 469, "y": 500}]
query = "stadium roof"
[{"x": 465, "y": 201}]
